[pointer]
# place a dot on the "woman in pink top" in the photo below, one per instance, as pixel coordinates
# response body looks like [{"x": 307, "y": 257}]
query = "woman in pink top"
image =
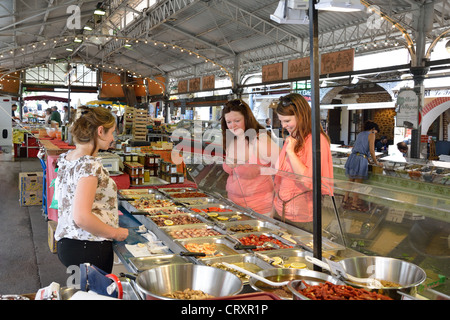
[
  {"x": 293, "y": 198},
  {"x": 249, "y": 153}
]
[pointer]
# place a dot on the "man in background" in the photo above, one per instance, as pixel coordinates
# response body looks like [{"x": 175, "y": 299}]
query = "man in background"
[{"x": 55, "y": 116}]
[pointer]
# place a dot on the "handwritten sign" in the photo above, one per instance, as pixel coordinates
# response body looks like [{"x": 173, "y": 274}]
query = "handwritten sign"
[
  {"x": 208, "y": 82},
  {"x": 194, "y": 84},
  {"x": 335, "y": 62},
  {"x": 272, "y": 72},
  {"x": 407, "y": 109},
  {"x": 182, "y": 86},
  {"x": 299, "y": 68}
]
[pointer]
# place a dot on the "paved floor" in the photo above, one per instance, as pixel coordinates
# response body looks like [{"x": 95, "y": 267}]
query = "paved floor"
[{"x": 26, "y": 263}]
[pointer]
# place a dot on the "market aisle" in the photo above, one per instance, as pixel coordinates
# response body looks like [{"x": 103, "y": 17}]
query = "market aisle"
[{"x": 26, "y": 263}]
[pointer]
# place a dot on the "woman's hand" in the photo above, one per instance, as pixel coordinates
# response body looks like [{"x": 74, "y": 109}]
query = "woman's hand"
[
  {"x": 121, "y": 234},
  {"x": 290, "y": 145}
]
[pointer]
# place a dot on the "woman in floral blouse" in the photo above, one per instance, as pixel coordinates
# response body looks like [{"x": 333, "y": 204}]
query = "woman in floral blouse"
[{"x": 88, "y": 218}]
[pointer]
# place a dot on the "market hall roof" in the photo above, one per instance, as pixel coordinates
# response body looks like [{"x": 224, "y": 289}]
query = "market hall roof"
[{"x": 181, "y": 39}]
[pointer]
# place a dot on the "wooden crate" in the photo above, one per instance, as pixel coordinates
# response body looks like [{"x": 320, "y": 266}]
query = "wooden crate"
[{"x": 140, "y": 122}]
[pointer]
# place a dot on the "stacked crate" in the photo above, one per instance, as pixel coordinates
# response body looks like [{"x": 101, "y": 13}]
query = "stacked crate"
[
  {"x": 140, "y": 123},
  {"x": 128, "y": 119}
]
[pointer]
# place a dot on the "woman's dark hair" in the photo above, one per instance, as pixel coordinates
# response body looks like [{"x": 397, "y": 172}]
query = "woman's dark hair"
[
  {"x": 249, "y": 119},
  {"x": 369, "y": 125},
  {"x": 296, "y": 105},
  {"x": 84, "y": 129}
]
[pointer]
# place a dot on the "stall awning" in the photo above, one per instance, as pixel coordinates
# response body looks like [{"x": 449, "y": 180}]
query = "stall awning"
[{"x": 46, "y": 98}]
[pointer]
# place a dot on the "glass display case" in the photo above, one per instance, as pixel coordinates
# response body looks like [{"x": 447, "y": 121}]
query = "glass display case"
[{"x": 392, "y": 222}]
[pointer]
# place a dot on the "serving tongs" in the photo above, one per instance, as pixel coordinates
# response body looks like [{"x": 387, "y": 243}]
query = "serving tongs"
[
  {"x": 337, "y": 270},
  {"x": 253, "y": 275}
]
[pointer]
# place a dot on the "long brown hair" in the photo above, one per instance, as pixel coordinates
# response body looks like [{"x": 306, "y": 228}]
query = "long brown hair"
[
  {"x": 296, "y": 105},
  {"x": 84, "y": 129},
  {"x": 249, "y": 119}
]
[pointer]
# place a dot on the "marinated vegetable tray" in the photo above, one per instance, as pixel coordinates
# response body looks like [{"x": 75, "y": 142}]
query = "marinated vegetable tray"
[
  {"x": 211, "y": 247},
  {"x": 264, "y": 241},
  {"x": 197, "y": 231},
  {"x": 177, "y": 219},
  {"x": 246, "y": 261},
  {"x": 249, "y": 226},
  {"x": 287, "y": 259}
]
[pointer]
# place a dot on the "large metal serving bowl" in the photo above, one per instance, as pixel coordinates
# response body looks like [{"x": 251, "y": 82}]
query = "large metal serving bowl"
[
  {"x": 309, "y": 276},
  {"x": 408, "y": 275},
  {"x": 156, "y": 282}
]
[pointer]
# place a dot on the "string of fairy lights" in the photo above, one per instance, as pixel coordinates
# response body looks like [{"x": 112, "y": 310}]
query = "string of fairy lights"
[{"x": 70, "y": 41}]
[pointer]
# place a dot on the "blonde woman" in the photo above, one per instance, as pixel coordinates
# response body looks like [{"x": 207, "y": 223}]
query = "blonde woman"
[{"x": 88, "y": 218}]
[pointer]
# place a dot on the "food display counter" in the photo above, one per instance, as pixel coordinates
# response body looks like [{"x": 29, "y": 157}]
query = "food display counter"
[{"x": 200, "y": 226}]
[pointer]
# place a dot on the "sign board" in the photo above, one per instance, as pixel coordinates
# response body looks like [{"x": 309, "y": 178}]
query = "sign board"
[
  {"x": 208, "y": 82},
  {"x": 335, "y": 62},
  {"x": 272, "y": 72},
  {"x": 182, "y": 86},
  {"x": 299, "y": 68},
  {"x": 194, "y": 84},
  {"x": 407, "y": 109}
]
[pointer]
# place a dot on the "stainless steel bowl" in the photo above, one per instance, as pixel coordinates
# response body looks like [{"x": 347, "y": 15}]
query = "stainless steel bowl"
[
  {"x": 407, "y": 275},
  {"x": 156, "y": 282},
  {"x": 279, "y": 274}
]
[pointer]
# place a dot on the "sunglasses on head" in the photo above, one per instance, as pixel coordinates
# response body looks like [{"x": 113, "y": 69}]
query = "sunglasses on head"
[{"x": 285, "y": 101}]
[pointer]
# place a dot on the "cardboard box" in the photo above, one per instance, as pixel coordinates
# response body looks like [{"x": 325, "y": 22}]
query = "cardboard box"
[
  {"x": 31, "y": 198},
  {"x": 51, "y": 235},
  {"x": 31, "y": 181}
]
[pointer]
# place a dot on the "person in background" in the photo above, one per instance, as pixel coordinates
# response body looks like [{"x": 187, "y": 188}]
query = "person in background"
[
  {"x": 88, "y": 220},
  {"x": 55, "y": 116},
  {"x": 293, "y": 197},
  {"x": 249, "y": 151},
  {"x": 357, "y": 164},
  {"x": 66, "y": 115},
  {"x": 46, "y": 116},
  {"x": 403, "y": 148},
  {"x": 13, "y": 112},
  {"x": 382, "y": 145}
]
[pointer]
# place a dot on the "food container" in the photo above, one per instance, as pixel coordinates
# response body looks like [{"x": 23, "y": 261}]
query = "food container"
[
  {"x": 202, "y": 230},
  {"x": 407, "y": 275},
  {"x": 284, "y": 258},
  {"x": 249, "y": 226},
  {"x": 312, "y": 278},
  {"x": 247, "y": 261},
  {"x": 214, "y": 246},
  {"x": 134, "y": 169},
  {"x": 156, "y": 282},
  {"x": 280, "y": 275},
  {"x": 140, "y": 264},
  {"x": 177, "y": 219}
]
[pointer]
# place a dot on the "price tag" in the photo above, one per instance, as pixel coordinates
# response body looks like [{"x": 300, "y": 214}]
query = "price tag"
[{"x": 395, "y": 215}]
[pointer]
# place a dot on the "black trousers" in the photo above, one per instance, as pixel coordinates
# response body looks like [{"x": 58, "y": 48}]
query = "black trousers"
[{"x": 97, "y": 253}]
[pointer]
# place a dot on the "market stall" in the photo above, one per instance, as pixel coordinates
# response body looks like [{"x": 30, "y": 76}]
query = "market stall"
[{"x": 200, "y": 226}]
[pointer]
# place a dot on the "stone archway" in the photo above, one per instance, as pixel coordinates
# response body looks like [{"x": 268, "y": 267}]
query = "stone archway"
[{"x": 432, "y": 111}]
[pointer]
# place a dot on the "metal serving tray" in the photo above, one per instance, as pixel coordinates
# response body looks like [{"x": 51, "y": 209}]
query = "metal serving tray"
[
  {"x": 224, "y": 247},
  {"x": 268, "y": 234},
  {"x": 327, "y": 245},
  {"x": 166, "y": 211},
  {"x": 200, "y": 202},
  {"x": 287, "y": 256},
  {"x": 247, "y": 261},
  {"x": 256, "y": 225},
  {"x": 174, "y": 216},
  {"x": 181, "y": 228},
  {"x": 169, "y": 191},
  {"x": 145, "y": 263}
]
